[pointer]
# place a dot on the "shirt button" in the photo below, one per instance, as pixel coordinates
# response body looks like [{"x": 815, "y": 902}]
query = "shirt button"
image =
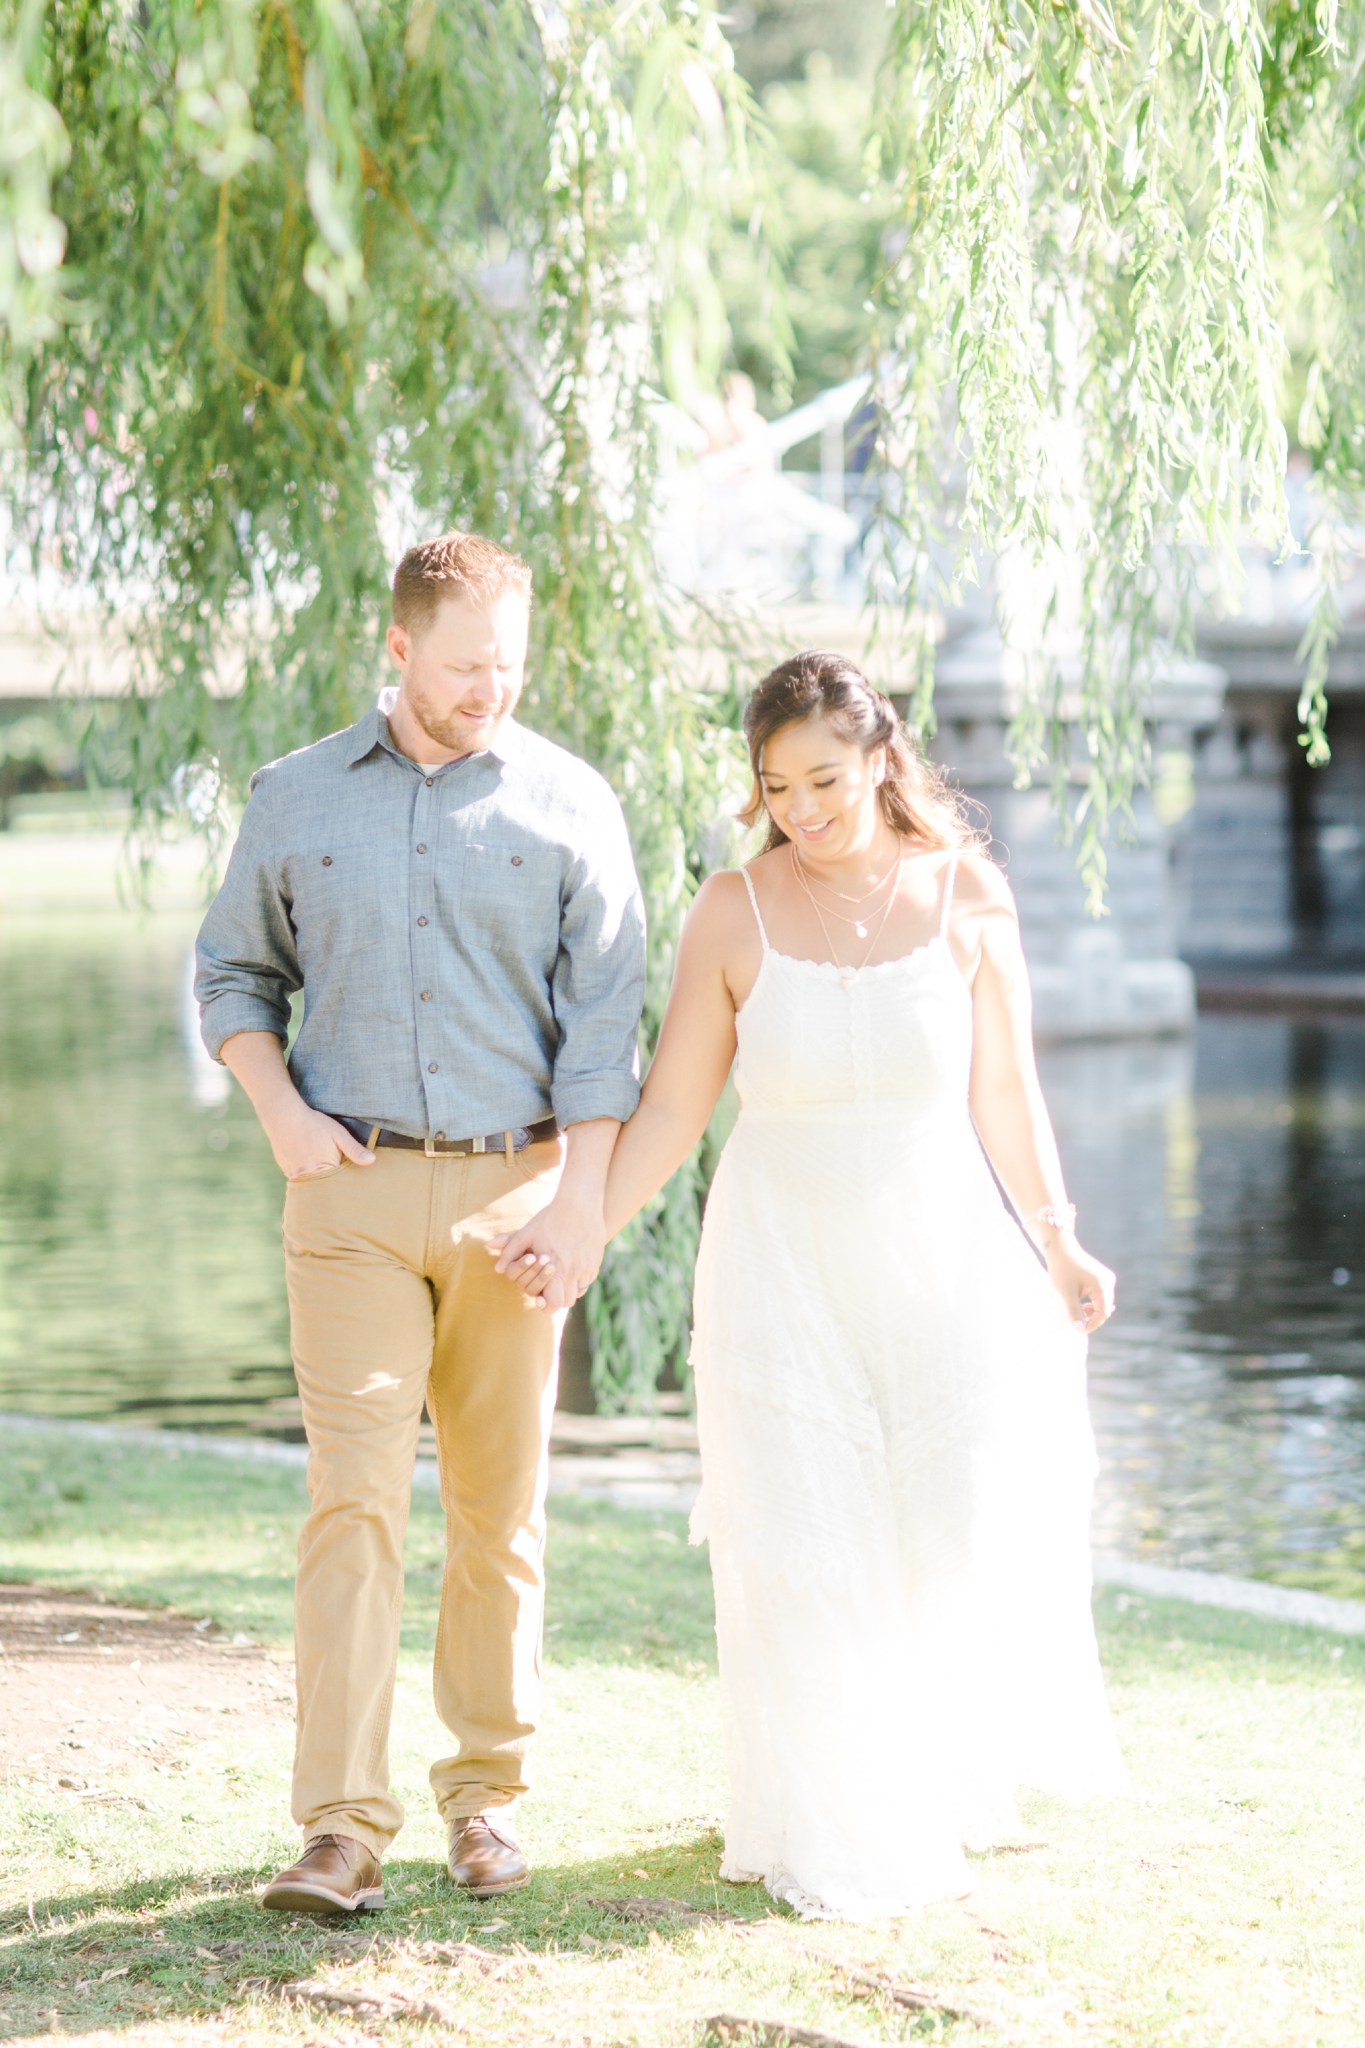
[
  {"x": 426, "y": 995},
  {"x": 516, "y": 860},
  {"x": 440, "y": 1137},
  {"x": 421, "y": 920},
  {"x": 430, "y": 780},
  {"x": 326, "y": 860},
  {"x": 432, "y": 1068},
  {"x": 421, "y": 849}
]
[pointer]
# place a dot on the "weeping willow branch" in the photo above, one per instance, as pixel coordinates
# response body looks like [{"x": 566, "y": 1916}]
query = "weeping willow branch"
[
  {"x": 610, "y": 681},
  {"x": 1083, "y": 361},
  {"x": 353, "y": 275}
]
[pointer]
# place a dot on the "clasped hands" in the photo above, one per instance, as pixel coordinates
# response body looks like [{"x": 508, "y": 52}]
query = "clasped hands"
[{"x": 554, "y": 1258}]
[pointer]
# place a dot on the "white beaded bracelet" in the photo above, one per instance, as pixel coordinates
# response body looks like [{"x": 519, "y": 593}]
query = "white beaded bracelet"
[{"x": 1060, "y": 1219}]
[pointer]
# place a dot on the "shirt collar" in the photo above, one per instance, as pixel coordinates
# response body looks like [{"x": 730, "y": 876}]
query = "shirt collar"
[
  {"x": 372, "y": 731},
  {"x": 365, "y": 736}
]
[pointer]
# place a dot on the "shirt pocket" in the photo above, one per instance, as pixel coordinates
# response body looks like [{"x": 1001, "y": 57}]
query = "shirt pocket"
[
  {"x": 340, "y": 890},
  {"x": 510, "y": 887}
]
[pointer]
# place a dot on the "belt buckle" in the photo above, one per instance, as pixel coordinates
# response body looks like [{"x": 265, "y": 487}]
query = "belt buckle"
[{"x": 437, "y": 1149}]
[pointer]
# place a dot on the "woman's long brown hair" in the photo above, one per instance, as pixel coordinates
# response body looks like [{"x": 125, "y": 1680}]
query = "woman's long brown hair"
[{"x": 916, "y": 796}]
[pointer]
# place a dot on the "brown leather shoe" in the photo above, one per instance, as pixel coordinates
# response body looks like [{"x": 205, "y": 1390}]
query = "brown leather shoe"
[
  {"x": 483, "y": 1861},
  {"x": 335, "y": 1874}
]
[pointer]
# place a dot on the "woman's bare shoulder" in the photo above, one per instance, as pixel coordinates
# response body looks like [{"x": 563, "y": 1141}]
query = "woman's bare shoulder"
[
  {"x": 721, "y": 890},
  {"x": 721, "y": 906},
  {"x": 980, "y": 885}
]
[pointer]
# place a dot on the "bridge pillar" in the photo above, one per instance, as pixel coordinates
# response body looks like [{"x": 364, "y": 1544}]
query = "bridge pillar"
[{"x": 1119, "y": 975}]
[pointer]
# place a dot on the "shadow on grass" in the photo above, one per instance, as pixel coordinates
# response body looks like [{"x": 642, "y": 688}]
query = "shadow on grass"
[{"x": 180, "y": 1947}]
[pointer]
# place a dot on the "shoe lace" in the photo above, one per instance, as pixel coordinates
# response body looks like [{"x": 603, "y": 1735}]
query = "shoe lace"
[
  {"x": 346, "y": 1846},
  {"x": 479, "y": 1823}
]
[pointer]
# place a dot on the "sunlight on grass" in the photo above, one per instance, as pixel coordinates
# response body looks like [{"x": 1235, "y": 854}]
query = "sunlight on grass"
[{"x": 1217, "y": 1906}]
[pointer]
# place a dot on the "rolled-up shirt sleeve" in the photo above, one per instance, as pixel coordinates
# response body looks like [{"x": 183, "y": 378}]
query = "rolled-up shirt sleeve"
[
  {"x": 599, "y": 981},
  {"x": 246, "y": 963}
]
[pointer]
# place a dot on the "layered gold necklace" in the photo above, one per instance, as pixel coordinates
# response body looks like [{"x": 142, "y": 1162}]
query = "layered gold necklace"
[
  {"x": 859, "y": 922},
  {"x": 866, "y": 925}
]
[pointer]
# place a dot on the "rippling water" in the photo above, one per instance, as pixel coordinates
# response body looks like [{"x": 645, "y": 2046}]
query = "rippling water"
[
  {"x": 1225, "y": 1182},
  {"x": 140, "y": 1272},
  {"x": 1224, "y": 1179}
]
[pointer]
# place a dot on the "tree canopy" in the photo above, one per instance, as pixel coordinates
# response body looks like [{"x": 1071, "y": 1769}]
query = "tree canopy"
[{"x": 284, "y": 283}]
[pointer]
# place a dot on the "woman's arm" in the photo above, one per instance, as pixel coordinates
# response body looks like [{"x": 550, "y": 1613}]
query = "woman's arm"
[
  {"x": 695, "y": 1051},
  {"x": 1007, "y": 1104}
]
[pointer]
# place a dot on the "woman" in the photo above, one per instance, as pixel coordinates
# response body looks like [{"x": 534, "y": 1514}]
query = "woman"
[{"x": 890, "y": 1376}]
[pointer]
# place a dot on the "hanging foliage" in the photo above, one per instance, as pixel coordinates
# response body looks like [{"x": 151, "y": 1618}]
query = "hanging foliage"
[
  {"x": 1315, "y": 113},
  {"x": 334, "y": 278},
  {"x": 1083, "y": 362}
]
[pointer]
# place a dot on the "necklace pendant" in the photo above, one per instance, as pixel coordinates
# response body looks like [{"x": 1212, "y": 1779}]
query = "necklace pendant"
[{"x": 861, "y": 930}]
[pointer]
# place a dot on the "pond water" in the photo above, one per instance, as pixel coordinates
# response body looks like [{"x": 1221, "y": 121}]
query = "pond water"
[{"x": 1223, "y": 1177}]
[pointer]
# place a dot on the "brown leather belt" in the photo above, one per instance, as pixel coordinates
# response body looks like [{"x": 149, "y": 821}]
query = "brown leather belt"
[{"x": 516, "y": 1139}]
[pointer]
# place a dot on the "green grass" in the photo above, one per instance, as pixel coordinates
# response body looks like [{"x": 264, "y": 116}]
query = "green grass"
[{"x": 1220, "y": 1905}]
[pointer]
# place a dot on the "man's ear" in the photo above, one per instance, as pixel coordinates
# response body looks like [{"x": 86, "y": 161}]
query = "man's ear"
[{"x": 399, "y": 642}]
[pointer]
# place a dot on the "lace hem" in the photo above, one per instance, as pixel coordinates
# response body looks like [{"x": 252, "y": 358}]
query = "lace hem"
[{"x": 949, "y": 1883}]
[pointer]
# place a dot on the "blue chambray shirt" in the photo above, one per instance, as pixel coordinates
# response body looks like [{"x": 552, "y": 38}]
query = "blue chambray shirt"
[{"x": 469, "y": 939}]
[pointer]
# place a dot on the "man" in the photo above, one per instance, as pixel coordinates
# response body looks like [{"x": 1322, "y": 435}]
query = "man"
[{"x": 456, "y": 900}]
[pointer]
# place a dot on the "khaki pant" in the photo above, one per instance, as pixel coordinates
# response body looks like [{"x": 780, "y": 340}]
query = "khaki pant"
[{"x": 393, "y": 1299}]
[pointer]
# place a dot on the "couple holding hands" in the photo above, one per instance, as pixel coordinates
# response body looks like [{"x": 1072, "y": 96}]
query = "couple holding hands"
[{"x": 891, "y": 1304}]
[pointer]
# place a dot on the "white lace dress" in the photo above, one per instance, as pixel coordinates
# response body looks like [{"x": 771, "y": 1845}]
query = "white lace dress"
[{"x": 896, "y": 1452}]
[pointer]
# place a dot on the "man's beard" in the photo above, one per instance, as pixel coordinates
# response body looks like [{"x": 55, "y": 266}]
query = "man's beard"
[{"x": 449, "y": 733}]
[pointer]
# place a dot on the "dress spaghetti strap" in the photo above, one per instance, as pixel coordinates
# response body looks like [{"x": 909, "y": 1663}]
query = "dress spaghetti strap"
[
  {"x": 758, "y": 914},
  {"x": 948, "y": 881}
]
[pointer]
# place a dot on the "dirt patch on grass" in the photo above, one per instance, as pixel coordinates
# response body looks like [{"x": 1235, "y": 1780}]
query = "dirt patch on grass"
[{"x": 91, "y": 1692}]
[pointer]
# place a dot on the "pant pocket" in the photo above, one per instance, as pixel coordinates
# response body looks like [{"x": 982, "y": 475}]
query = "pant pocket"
[{"x": 534, "y": 1160}]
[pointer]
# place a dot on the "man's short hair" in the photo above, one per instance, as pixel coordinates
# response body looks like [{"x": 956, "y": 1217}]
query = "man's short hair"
[{"x": 454, "y": 565}]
